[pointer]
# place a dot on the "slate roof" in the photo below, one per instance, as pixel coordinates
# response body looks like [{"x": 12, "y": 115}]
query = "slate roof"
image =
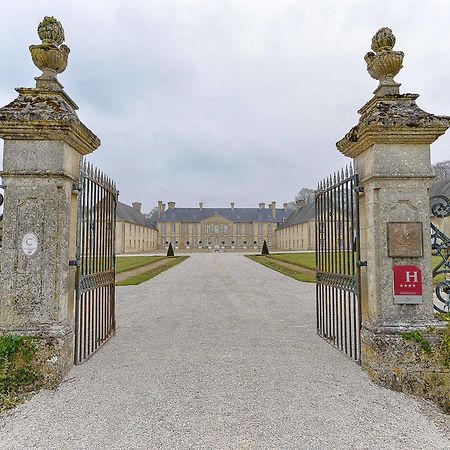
[
  {"x": 126, "y": 213},
  {"x": 305, "y": 214},
  {"x": 194, "y": 215}
]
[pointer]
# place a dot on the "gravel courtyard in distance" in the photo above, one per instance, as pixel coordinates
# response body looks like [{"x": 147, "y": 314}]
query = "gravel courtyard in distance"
[{"x": 221, "y": 353}]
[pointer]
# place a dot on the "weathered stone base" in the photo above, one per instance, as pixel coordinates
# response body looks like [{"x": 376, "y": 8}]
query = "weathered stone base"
[
  {"x": 55, "y": 351},
  {"x": 403, "y": 365}
]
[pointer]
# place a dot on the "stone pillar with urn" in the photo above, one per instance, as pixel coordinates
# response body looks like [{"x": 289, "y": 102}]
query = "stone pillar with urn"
[
  {"x": 391, "y": 148},
  {"x": 44, "y": 141}
]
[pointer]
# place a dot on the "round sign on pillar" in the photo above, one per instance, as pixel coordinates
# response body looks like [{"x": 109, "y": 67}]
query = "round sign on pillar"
[
  {"x": 29, "y": 244},
  {"x": 407, "y": 285}
]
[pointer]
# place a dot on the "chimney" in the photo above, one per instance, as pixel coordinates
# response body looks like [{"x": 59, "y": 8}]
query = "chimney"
[
  {"x": 160, "y": 208},
  {"x": 200, "y": 206},
  {"x": 273, "y": 207},
  {"x": 137, "y": 206},
  {"x": 262, "y": 205},
  {"x": 299, "y": 204},
  {"x": 285, "y": 206},
  {"x": 170, "y": 205},
  {"x": 232, "y": 206}
]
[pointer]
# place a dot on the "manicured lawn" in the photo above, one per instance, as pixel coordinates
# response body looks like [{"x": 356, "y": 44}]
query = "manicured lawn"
[
  {"x": 138, "y": 279},
  {"x": 124, "y": 263},
  {"x": 307, "y": 260},
  {"x": 272, "y": 264}
]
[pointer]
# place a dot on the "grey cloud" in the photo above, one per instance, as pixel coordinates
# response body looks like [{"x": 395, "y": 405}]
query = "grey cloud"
[{"x": 226, "y": 100}]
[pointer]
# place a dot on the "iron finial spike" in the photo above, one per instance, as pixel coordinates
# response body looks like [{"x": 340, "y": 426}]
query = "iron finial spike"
[{"x": 346, "y": 171}]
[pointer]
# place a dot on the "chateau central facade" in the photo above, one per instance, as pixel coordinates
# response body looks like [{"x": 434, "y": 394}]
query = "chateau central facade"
[{"x": 218, "y": 227}]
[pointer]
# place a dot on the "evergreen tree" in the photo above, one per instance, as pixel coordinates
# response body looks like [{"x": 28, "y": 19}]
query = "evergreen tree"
[
  {"x": 170, "y": 250},
  {"x": 265, "y": 250}
]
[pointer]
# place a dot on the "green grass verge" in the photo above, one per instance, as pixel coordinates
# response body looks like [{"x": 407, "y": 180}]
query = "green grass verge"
[
  {"x": 124, "y": 263},
  {"x": 269, "y": 262},
  {"x": 307, "y": 260},
  {"x": 138, "y": 279},
  {"x": 19, "y": 373}
]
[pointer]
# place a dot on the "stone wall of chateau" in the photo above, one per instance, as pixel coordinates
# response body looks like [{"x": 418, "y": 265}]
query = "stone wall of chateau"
[
  {"x": 216, "y": 232},
  {"x": 132, "y": 238},
  {"x": 301, "y": 236}
]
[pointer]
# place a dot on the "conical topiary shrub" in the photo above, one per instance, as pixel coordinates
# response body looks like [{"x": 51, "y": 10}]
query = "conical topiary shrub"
[
  {"x": 265, "y": 250},
  {"x": 170, "y": 250}
]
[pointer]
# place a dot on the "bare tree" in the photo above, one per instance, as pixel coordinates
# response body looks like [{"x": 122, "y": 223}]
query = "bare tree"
[
  {"x": 305, "y": 194},
  {"x": 442, "y": 170}
]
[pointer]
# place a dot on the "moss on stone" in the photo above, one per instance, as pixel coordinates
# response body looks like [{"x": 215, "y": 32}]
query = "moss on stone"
[{"x": 20, "y": 373}]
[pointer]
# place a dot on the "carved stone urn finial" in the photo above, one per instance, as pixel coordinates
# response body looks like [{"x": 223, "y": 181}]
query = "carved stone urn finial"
[
  {"x": 50, "y": 56},
  {"x": 384, "y": 64}
]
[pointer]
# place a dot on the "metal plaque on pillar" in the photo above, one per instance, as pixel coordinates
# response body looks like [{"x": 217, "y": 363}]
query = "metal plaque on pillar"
[
  {"x": 407, "y": 282},
  {"x": 405, "y": 239}
]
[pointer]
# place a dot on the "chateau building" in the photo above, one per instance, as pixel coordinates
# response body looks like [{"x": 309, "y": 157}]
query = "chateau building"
[
  {"x": 134, "y": 232},
  {"x": 297, "y": 232},
  {"x": 207, "y": 228}
]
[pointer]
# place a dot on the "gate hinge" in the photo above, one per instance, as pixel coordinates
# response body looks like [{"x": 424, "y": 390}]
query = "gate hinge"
[
  {"x": 74, "y": 263},
  {"x": 359, "y": 189},
  {"x": 360, "y": 263}
]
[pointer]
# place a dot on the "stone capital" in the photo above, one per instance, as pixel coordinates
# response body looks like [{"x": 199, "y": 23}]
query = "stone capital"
[
  {"x": 392, "y": 119},
  {"x": 38, "y": 114}
]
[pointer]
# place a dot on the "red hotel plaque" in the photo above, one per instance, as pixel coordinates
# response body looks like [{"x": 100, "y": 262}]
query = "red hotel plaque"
[{"x": 407, "y": 284}]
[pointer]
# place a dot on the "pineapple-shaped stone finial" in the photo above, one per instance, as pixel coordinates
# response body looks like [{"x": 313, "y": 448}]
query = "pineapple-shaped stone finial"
[
  {"x": 50, "y": 56},
  {"x": 384, "y": 64}
]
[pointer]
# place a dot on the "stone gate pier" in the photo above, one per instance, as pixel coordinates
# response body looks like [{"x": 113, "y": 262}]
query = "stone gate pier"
[
  {"x": 44, "y": 141},
  {"x": 391, "y": 148}
]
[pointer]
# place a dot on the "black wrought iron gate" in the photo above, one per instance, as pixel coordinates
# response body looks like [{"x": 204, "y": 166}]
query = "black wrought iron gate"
[
  {"x": 440, "y": 248},
  {"x": 95, "y": 287},
  {"x": 338, "y": 262}
]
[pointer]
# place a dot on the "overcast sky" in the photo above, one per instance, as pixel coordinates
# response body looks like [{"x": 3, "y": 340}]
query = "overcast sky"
[{"x": 226, "y": 100}]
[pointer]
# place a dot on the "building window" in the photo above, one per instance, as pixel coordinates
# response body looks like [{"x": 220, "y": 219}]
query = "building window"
[
  {"x": 225, "y": 229},
  {"x": 260, "y": 228},
  {"x": 194, "y": 228},
  {"x": 216, "y": 229},
  {"x": 208, "y": 228},
  {"x": 260, "y": 241},
  {"x": 238, "y": 228},
  {"x": 194, "y": 241},
  {"x": 185, "y": 228},
  {"x": 238, "y": 241},
  {"x": 269, "y": 228},
  {"x": 247, "y": 228}
]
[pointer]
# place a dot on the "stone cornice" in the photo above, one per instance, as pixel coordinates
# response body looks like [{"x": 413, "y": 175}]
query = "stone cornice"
[
  {"x": 38, "y": 114},
  {"x": 392, "y": 119}
]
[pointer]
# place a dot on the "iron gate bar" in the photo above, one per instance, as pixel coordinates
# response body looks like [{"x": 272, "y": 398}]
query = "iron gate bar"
[
  {"x": 2, "y": 199},
  {"x": 338, "y": 309},
  {"x": 95, "y": 294}
]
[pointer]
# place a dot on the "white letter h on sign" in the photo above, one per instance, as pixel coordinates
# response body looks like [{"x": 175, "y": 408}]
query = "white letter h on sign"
[{"x": 411, "y": 277}]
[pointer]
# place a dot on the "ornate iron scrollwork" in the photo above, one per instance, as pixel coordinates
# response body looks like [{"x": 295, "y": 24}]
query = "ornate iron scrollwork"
[
  {"x": 440, "y": 245},
  {"x": 2, "y": 199}
]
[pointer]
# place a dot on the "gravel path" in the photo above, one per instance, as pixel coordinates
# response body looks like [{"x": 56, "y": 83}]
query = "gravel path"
[{"x": 220, "y": 353}]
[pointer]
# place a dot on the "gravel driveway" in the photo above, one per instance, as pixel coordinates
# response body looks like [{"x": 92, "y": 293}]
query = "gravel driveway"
[{"x": 220, "y": 353}]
